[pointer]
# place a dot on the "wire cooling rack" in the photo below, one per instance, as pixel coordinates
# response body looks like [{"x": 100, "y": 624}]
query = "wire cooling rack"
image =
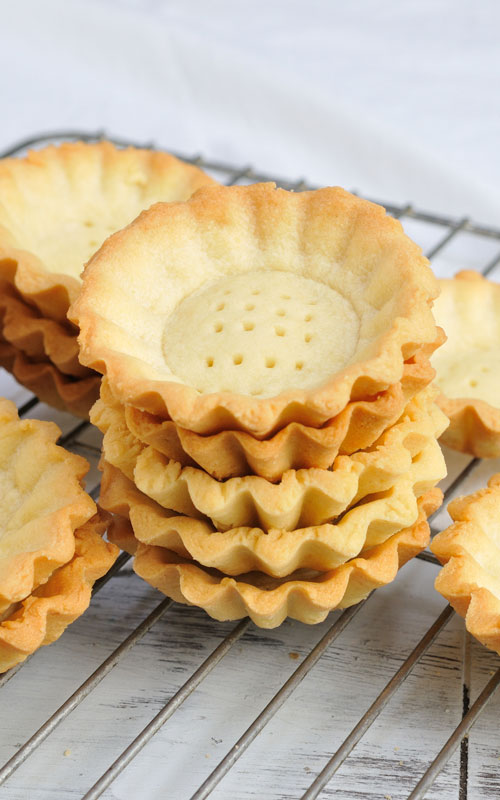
[{"x": 247, "y": 689}]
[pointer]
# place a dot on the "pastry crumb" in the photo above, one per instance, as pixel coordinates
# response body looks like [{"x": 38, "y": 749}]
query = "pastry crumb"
[
  {"x": 293, "y": 655},
  {"x": 67, "y": 753}
]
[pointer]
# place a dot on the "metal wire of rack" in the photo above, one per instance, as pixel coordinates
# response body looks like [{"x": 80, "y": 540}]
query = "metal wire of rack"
[{"x": 448, "y": 228}]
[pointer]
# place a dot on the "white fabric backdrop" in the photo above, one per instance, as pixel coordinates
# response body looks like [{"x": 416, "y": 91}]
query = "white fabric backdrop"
[{"x": 398, "y": 100}]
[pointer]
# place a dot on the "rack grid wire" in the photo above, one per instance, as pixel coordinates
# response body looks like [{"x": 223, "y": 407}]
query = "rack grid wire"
[{"x": 447, "y": 229}]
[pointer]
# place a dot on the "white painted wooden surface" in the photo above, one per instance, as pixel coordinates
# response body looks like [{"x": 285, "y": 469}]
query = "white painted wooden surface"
[{"x": 284, "y": 759}]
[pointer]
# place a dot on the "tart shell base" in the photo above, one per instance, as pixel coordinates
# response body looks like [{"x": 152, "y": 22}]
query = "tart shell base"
[{"x": 269, "y": 601}]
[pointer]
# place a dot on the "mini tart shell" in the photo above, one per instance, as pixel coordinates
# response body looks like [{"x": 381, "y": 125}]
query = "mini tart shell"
[
  {"x": 276, "y": 552},
  {"x": 353, "y": 233},
  {"x": 467, "y": 549},
  {"x": 474, "y": 427},
  {"x": 39, "y": 538},
  {"x": 80, "y": 174},
  {"x": 230, "y": 454},
  {"x": 43, "y": 616},
  {"x": 474, "y": 424},
  {"x": 40, "y": 339},
  {"x": 43, "y": 379},
  {"x": 303, "y": 498},
  {"x": 268, "y": 601}
]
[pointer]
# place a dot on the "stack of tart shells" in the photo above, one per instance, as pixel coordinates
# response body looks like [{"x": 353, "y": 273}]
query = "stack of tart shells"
[
  {"x": 270, "y": 433},
  {"x": 57, "y": 205},
  {"x": 51, "y": 545}
]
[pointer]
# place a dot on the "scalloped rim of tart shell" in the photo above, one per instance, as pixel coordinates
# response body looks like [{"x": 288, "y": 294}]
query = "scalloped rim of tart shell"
[
  {"x": 474, "y": 421},
  {"x": 43, "y": 616},
  {"x": 268, "y": 601},
  {"x": 303, "y": 498},
  {"x": 230, "y": 454},
  {"x": 228, "y": 231},
  {"x": 80, "y": 193},
  {"x": 24, "y": 566},
  {"x": 468, "y": 548},
  {"x": 276, "y": 552}
]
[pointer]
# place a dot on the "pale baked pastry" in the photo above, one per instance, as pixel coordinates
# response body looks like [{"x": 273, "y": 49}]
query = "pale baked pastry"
[
  {"x": 302, "y": 498},
  {"x": 42, "y": 617},
  {"x": 58, "y": 205},
  {"x": 76, "y": 395},
  {"x": 231, "y": 454},
  {"x": 468, "y": 365},
  {"x": 254, "y": 307},
  {"x": 306, "y": 595},
  {"x": 40, "y": 339},
  {"x": 42, "y": 502},
  {"x": 470, "y": 551},
  {"x": 277, "y": 551}
]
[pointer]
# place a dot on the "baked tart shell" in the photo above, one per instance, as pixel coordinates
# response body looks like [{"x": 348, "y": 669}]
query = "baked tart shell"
[
  {"x": 43, "y": 616},
  {"x": 45, "y": 381},
  {"x": 470, "y": 552},
  {"x": 269, "y": 601},
  {"x": 58, "y": 204},
  {"x": 468, "y": 365},
  {"x": 330, "y": 239},
  {"x": 43, "y": 503},
  {"x": 230, "y": 454}
]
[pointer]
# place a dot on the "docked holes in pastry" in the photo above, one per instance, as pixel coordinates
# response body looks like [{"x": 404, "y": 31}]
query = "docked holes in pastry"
[{"x": 206, "y": 377}]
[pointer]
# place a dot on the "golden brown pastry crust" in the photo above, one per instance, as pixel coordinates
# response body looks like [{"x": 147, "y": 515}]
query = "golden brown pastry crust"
[
  {"x": 43, "y": 503},
  {"x": 269, "y": 601},
  {"x": 286, "y": 228},
  {"x": 474, "y": 423},
  {"x": 301, "y": 499},
  {"x": 277, "y": 552},
  {"x": 48, "y": 384},
  {"x": 470, "y": 551},
  {"x": 231, "y": 454},
  {"x": 42, "y": 617},
  {"x": 474, "y": 426},
  {"x": 40, "y": 339},
  {"x": 37, "y": 191}
]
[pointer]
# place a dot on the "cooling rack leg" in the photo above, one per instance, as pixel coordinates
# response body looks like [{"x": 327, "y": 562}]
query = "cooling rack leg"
[{"x": 464, "y": 744}]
